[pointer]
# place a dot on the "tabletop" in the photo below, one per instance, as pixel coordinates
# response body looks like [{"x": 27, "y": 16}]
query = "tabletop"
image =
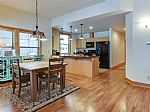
[{"x": 36, "y": 65}]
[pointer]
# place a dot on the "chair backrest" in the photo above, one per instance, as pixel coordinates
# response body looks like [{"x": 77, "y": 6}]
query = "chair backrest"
[
  {"x": 55, "y": 65},
  {"x": 16, "y": 68},
  {"x": 55, "y": 56},
  {"x": 27, "y": 59}
]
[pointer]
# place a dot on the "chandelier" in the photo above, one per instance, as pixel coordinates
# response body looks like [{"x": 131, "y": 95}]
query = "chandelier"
[
  {"x": 81, "y": 35},
  {"x": 37, "y": 35}
]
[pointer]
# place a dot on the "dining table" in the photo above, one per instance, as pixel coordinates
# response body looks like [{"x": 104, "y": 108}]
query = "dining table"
[{"x": 34, "y": 68}]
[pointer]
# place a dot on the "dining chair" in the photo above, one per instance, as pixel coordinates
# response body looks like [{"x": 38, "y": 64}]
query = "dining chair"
[
  {"x": 18, "y": 77},
  {"x": 27, "y": 59},
  {"x": 54, "y": 74}
]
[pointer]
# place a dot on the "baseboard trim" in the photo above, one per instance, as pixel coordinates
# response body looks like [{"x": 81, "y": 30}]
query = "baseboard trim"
[
  {"x": 117, "y": 66},
  {"x": 137, "y": 84}
]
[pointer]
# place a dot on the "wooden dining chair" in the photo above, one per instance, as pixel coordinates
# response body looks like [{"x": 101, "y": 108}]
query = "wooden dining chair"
[
  {"x": 18, "y": 78},
  {"x": 54, "y": 74},
  {"x": 27, "y": 59}
]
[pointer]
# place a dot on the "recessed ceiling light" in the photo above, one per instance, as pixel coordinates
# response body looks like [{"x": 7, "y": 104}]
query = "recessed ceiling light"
[
  {"x": 125, "y": 29},
  {"x": 91, "y": 27},
  {"x": 76, "y": 30}
]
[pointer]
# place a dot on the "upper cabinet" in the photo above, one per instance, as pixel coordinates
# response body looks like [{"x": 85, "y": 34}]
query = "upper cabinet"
[
  {"x": 101, "y": 34},
  {"x": 98, "y": 36}
]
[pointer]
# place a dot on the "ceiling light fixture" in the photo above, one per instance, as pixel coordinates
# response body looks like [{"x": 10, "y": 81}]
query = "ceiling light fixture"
[
  {"x": 91, "y": 27},
  {"x": 36, "y": 35},
  {"x": 81, "y": 36},
  {"x": 76, "y": 30},
  {"x": 70, "y": 33}
]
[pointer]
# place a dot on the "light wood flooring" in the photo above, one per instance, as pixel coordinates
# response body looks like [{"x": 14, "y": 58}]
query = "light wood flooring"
[{"x": 105, "y": 93}]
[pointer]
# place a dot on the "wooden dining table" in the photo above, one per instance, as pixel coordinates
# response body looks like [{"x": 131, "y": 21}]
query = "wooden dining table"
[{"x": 34, "y": 68}]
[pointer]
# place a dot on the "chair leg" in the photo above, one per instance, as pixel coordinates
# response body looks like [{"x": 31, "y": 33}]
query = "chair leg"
[
  {"x": 61, "y": 86},
  {"x": 37, "y": 82},
  {"x": 53, "y": 85},
  {"x": 14, "y": 86},
  {"x": 19, "y": 90},
  {"x": 49, "y": 89},
  {"x": 39, "y": 85}
]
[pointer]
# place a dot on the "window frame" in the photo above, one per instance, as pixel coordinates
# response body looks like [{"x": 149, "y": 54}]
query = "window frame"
[
  {"x": 15, "y": 38},
  {"x": 7, "y": 38},
  {"x": 6, "y": 48},
  {"x": 39, "y": 43},
  {"x": 64, "y": 44}
]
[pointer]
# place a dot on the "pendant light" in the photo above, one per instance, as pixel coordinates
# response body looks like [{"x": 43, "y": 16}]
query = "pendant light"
[
  {"x": 36, "y": 35},
  {"x": 61, "y": 32},
  {"x": 70, "y": 33},
  {"x": 81, "y": 36}
]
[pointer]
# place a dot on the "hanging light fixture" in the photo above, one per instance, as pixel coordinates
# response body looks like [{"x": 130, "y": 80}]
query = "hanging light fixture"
[
  {"x": 37, "y": 34},
  {"x": 61, "y": 32},
  {"x": 70, "y": 33},
  {"x": 81, "y": 36}
]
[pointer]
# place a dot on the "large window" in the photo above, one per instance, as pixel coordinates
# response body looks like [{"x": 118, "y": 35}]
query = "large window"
[
  {"x": 7, "y": 37},
  {"x": 64, "y": 43},
  {"x": 28, "y": 46}
]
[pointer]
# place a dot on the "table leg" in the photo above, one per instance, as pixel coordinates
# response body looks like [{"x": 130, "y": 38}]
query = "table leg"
[
  {"x": 63, "y": 77},
  {"x": 33, "y": 80}
]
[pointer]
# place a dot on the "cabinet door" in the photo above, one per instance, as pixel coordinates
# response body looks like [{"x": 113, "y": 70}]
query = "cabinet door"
[
  {"x": 90, "y": 40},
  {"x": 4, "y": 70},
  {"x": 78, "y": 43},
  {"x": 83, "y": 42}
]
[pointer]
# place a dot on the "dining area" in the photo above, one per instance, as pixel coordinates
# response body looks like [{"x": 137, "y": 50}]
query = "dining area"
[
  {"x": 52, "y": 71},
  {"x": 37, "y": 83}
]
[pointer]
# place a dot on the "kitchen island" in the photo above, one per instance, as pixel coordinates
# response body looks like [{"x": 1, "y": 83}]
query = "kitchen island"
[{"x": 82, "y": 65}]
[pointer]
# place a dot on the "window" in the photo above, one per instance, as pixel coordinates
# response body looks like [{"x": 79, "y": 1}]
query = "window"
[
  {"x": 64, "y": 43},
  {"x": 7, "y": 37},
  {"x": 28, "y": 46}
]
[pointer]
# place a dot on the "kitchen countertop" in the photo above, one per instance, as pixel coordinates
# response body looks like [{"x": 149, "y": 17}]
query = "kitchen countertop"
[{"x": 78, "y": 56}]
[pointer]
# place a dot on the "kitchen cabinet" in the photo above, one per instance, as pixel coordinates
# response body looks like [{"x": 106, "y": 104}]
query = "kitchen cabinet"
[{"x": 80, "y": 43}]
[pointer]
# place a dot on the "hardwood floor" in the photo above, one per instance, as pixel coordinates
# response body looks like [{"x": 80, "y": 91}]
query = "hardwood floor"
[{"x": 105, "y": 93}]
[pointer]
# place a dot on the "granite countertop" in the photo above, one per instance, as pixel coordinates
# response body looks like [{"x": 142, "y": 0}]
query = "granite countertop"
[{"x": 78, "y": 56}]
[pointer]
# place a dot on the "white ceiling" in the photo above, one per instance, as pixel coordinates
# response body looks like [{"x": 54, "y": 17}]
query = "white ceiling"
[
  {"x": 54, "y": 8},
  {"x": 50, "y": 8},
  {"x": 98, "y": 23}
]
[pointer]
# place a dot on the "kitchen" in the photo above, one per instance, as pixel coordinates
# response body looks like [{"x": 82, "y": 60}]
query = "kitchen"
[{"x": 101, "y": 43}]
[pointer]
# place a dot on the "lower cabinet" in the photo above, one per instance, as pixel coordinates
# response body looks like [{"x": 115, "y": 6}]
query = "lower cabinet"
[{"x": 6, "y": 66}]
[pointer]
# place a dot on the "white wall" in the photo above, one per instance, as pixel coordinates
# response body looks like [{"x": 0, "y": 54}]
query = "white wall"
[
  {"x": 129, "y": 46},
  {"x": 117, "y": 47},
  {"x": 19, "y": 19},
  {"x": 140, "y": 51}
]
